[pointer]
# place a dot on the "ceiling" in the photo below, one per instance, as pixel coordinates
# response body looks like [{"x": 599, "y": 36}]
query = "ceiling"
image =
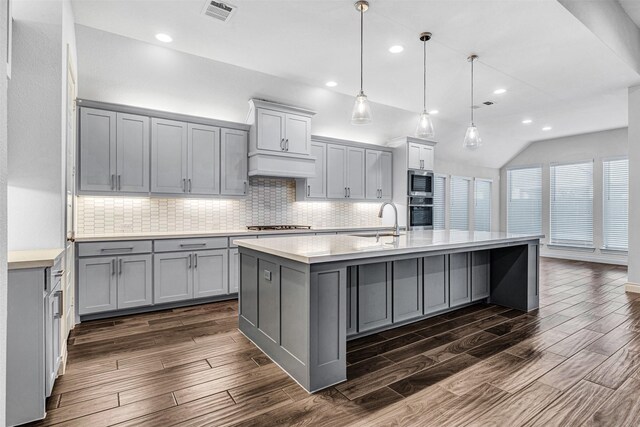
[{"x": 556, "y": 72}]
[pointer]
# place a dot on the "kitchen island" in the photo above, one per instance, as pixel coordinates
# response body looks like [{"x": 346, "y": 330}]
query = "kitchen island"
[{"x": 302, "y": 298}]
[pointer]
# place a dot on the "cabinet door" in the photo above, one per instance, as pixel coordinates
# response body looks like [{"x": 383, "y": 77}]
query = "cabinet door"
[
  {"x": 233, "y": 166},
  {"x": 135, "y": 285},
  {"x": 132, "y": 174},
  {"x": 172, "y": 277},
  {"x": 168, "y": 156},
  {"x": 407, "y": 289},
  {"x": 426, "y": 155},
  {"x": 97, "y": 150},
  {"x": 298, "y": 134},
  {"x": 386, "y": 175},
  {"x": 352, "y": 300},
  {"x": 336, "y": 173},
  {"x": 436, "y": 285},
  {"x": 459, "y": 283},
  {"x": 96, "y": 285},
  {"x": 52, "y": 339},
  {"x": 479, "y": 275},
  {"x": 210, "y": 274},
  {"x": 413, "y": 156},
  {"x": 355, "y": 173},
  {"x": 374, "y": 296},
  {"x": 203, "y": 148},
  {"x": 270, "y": 130},
  {"x": 372, "y": 174},
  {"x": 234, "y": 271},
  {"x": 316, "y": 186}
]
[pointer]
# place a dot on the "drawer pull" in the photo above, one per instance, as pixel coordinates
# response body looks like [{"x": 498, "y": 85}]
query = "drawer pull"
[
  {"x": 58, "y": 295},
  {"x": 116, "y": 249},
  {"x": 191, "y": 245},
  {"x": 58, "y": 273}
]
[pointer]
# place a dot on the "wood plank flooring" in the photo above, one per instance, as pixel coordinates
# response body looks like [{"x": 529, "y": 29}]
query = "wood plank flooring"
[{"x": 575, "y": 361}]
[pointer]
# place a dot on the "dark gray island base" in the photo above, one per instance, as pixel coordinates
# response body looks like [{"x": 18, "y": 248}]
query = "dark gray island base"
[{"x": 302, "y": 298}]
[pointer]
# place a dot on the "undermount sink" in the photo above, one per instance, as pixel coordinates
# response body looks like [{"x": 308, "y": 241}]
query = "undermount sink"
[{"x": 382, "y": 234}]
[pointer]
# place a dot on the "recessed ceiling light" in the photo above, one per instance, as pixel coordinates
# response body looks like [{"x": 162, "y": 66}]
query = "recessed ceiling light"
[
  {"x": 434, "y": 112},
  {"x": 164, "y": 38},
  {"x": 331, "y": 84},
  {"x": 499, "y": 91},
  {"x": 546, "y": 128},
  {"x": 527, "y": 121},
  {"x": 396, "y": 49}
]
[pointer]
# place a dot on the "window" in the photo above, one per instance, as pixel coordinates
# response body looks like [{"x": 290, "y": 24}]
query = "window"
[
  {"x": 524, "y": 200},
  {"x": 439, "y": 201},
  {"x": 482, "y": 205},
  {"x": 616, "y": 204},
  {"x": 572, "y": 204},
  {"x": 459, "y": 210}
]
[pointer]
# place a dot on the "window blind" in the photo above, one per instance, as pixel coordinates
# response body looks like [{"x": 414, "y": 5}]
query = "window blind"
[
  {"x": 439, "y": 201},
  {"x": 572, "y": 204},
  {"x": 482, "y": 205},
  {"x": 524, "y": 200},
  {"x": 616, "y": 204},
  {"x": 459, "y": 203}
]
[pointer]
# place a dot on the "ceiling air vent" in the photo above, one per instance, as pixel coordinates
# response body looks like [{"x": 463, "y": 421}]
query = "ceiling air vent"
[{"x": 219, "y": 10}]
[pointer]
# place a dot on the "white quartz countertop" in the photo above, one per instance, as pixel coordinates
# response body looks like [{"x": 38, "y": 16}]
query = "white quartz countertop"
[
  {"x": 156, "y": 235},
  {"x": 318, "y": 249},
  {"x": 38, "y": 258}
]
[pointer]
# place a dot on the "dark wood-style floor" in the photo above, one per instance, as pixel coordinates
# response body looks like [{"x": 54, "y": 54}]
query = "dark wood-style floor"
[{"x": 573, "y": 362}]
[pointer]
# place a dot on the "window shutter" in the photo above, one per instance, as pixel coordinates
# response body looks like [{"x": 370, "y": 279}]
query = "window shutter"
[
  {"x": 572, "y": 204},
  {"x": 482, "y": 205},
  {"x": 524, "y": 200},
  {"x": 459, "y": 218},
  {"x": 616, "y": 204},
  {"x": 439, "y": 202}
]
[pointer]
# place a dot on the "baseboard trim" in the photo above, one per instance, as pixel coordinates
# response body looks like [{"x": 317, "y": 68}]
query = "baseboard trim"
[{"x": 632, "y": 287}]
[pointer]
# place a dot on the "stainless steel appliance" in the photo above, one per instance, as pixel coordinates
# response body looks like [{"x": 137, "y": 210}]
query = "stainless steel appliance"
[
  {"x": 420, "y": 213},
  {"x": 420, "y": 183},
  {"x": 277, "y": 227}
]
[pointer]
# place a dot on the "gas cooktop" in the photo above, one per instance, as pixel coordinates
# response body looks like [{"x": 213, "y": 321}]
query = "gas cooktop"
[{"x": 278, "y": 227}]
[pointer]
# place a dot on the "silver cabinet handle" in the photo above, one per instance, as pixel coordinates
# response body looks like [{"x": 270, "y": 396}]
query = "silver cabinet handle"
[
  {"x": 192, "y": 245},
  {"x": 308, "y": 190},
  {"x": 117, "y": 249},
  {"x": 245, "y": 187},
  {"x": 58, "y": 273},
  {"x": 189, "y": 181},
  {"x": 282, "y": 144},
  {"x": 189, "y": 265},
  {"x": 113, "y": 182},
  {"x": 113, "y": 267},
  {"x": 119, "y": 186},
  {"x": 195, "y": 260},
  {"x": 184, "y": 185},
  {"x": 349, "y": 192},
  {"x": 58, "y": 295},
  {"x": 345, "y": 191},
  {"x": 286, "y": 145},
  {"x": 119, "y": 266}
]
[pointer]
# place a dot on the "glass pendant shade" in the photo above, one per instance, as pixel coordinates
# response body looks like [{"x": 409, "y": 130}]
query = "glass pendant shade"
[
  {"x": 361, "y": 110},
  {"x": 472, "y": 138},
  {"x": 425, "y": 126}
]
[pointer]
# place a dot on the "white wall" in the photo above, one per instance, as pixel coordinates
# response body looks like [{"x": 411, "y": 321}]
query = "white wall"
[
  {"x": 592, "y": 146},
  {"x": 37, "y": 96},
  {"x": 634, "y": 185},
  {"x": 3, "y": 211}
]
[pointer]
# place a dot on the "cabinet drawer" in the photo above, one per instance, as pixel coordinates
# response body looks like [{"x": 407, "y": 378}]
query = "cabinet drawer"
[
  {"x": 114, "y": 248},
  {"x": 173, "y": 245},
  {"x": 232, "y": 240}
]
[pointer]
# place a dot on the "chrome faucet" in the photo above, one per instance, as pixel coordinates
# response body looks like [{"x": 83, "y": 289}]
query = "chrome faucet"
[{"x": 396, "y": 228}]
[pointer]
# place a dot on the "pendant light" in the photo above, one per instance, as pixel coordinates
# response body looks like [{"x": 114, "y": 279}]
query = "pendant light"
[
  {"x": 472, "y": 138},
  {"x": 361, "y": 114},
  {"x": 425, "y": 126}
]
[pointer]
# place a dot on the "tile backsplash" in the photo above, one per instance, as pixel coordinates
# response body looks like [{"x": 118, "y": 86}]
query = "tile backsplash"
[{"x": 270, "y": 201}]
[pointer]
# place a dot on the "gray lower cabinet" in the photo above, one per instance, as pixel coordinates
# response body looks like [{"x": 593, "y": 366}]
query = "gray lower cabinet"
[
  {"x": 269, "y": 299},
  {"x": 436, "y": 285},
  {"x": 97, "y": 286},
  {"x": 480, "y": 278},
  {"x": 173, "y": 280},
  {"x": 53, "y": 316},
  {"x": 234, "y": 270},
  {"x": 407, "y": 289},
  {"x": 459, "y": 279},
  {"x": 210, "y": 273},
  {"x": 352, "y": 300},
  {"x": 135, "y": 284},
  {"x": 374, "y": 296}
]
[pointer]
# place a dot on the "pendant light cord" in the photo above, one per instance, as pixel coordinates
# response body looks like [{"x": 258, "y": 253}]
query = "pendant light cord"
[
  {"x": 361, "y": 45},
  {"x": 424, "y": 99},
  {"x": 472, "y": 61}
]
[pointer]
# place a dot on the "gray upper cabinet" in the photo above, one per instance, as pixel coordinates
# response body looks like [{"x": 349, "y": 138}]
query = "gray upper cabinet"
[
  {"x": 173, "y": 280},
  {"x": 317, "y": 186},
  {"x": 420, "y": 156},
  {"x": 378, "y": 175},
  {"x": 132, "y": 167},
  {"x": 97, "y": 285},
  {"x": 297, "y": 134},
  {"x": 234, "y": 162},
  {"x": 271, "y": 130},
  {"x": 114, "y": 152},
  {"x": 135, "y": 285},
  {"x": 203, "y": 159},
  {"x": 336, "y": 171},
  {"x": 97, "y": 150},
  {"x": 210, "y": 274},
  {"x": 355, "y": 173},
  {"x": 168, "y": 156}
]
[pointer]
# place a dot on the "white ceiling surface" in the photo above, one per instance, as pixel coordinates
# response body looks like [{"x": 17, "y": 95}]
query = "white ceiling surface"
[
  {"x": 556, "y": 71},
  {"x": 632, "y": 7}
]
